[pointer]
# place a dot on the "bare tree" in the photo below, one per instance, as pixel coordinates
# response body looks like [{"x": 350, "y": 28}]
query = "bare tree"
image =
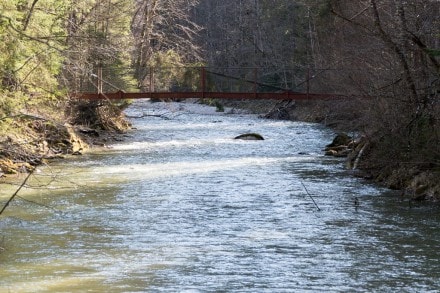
[
  {"x": 267, "y": 34},
  {"x": 98, "y": 35},
  {"x": 388, "y": 50},
  {"x": 161, "y": 26}
]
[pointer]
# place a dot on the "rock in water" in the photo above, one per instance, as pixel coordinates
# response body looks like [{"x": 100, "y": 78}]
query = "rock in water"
[
  {"x": 250, "y": 136},
  {"x": 340, "y": 140},
  {"x": 340, "y": 147}
]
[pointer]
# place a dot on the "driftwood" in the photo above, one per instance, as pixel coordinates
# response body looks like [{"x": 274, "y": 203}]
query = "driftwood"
[{"x": 148, "y": 115}]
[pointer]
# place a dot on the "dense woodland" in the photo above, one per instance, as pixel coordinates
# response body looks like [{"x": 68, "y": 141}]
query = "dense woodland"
[{"x": 383, "y": 54}]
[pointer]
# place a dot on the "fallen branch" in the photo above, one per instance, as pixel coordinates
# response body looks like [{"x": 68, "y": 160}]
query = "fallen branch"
[
  {"x": 308, "y": 193},
  {"x": 148, "y": 115},
  {"x": 16, "y": 192}
]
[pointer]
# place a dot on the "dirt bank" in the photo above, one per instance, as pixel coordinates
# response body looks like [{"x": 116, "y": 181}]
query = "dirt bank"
[
  {"x": 44, "y": 141},
  {"x": 34, "y": 139}
]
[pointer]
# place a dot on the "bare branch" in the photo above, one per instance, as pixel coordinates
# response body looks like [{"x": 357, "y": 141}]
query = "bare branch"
[
  {"x": 28, "y": 17},
  {"x": 16, "y": 192}
]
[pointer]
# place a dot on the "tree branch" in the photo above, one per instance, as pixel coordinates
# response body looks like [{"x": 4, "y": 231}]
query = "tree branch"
[
  {"x": 28, "y": 17},
  {"x": 36, "y": 39},
  {"x": 392, "y": 45},
  {"x": 16, "y": 192}
]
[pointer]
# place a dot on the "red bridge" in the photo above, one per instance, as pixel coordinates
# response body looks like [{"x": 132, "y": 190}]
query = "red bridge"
[{"x": 204, "y": 83}]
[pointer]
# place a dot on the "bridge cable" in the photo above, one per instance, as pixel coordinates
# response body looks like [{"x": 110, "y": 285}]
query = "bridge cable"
[{"x": 106, "y": 82}]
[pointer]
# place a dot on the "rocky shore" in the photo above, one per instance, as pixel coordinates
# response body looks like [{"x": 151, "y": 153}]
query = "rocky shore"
[{"x": 414, "y": 182}]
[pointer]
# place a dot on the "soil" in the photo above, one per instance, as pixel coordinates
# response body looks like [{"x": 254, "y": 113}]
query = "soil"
[{"x": 36, "y": 140}]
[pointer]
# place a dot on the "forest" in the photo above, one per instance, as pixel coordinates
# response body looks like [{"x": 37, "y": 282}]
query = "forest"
[{"x": 384, "y": 55}]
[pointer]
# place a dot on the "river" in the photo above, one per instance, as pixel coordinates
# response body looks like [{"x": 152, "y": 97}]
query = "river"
[{"x": 180, "y": 206}]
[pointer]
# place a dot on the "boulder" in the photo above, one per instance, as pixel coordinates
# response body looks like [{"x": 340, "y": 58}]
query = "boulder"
[
  {"x": 342, "y": 139},
  {"x": 341, "y": 146}
]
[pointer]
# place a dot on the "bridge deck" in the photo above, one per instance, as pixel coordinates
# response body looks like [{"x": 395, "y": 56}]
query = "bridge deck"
[{"x": 208, "y": 95}]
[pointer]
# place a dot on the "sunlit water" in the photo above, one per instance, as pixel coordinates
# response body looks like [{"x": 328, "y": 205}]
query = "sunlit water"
[{"x": 180, "y": 206}]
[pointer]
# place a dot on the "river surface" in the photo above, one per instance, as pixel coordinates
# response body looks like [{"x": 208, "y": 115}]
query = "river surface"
[{"x": 180, "y": 206}]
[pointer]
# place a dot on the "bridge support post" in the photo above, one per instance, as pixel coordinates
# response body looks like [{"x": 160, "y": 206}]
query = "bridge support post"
[
  {"x": 255, "y": 82},
  {"x": 308, "y": 82},
  {"x": 151, "y": 85},
  {"x": 99, "y": 82},
  {"x": 203, "y": 81}
]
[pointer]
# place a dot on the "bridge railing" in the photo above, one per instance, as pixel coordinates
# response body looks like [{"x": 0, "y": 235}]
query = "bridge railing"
[
  {"x": 208, "y": 79},
  {"x": 228, "y": 79},
  {"x": 202, "y": 82}
]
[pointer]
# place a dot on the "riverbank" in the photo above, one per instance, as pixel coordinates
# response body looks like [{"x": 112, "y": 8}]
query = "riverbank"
[{"x": 35, "y": 138}]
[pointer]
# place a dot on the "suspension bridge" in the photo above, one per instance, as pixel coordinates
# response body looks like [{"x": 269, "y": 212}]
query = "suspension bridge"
[{"x": 205, "y": 83}]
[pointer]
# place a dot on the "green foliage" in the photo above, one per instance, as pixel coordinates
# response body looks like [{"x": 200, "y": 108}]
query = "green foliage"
[
  {"x": 11, "y": 103},
  {"x": 433, "y": 52},
  {"x": 324, "y": 9},
  {"x": 169, "y": 71},
  {"x": 219, "y": 106},
  {"x": 213, "y": 102},
  {"x": 190, "y": 77},
  {"x": 31, "y": 57},
  {"x": 49, "y": 41},
  {"x": 424, "y": 137},
  {"x": 120, "y": 76},
  {"x": 99, "y": 35}
]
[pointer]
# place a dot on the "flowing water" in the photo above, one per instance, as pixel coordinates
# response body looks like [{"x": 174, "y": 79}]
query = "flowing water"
[{"x": 180, "y": 206}]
